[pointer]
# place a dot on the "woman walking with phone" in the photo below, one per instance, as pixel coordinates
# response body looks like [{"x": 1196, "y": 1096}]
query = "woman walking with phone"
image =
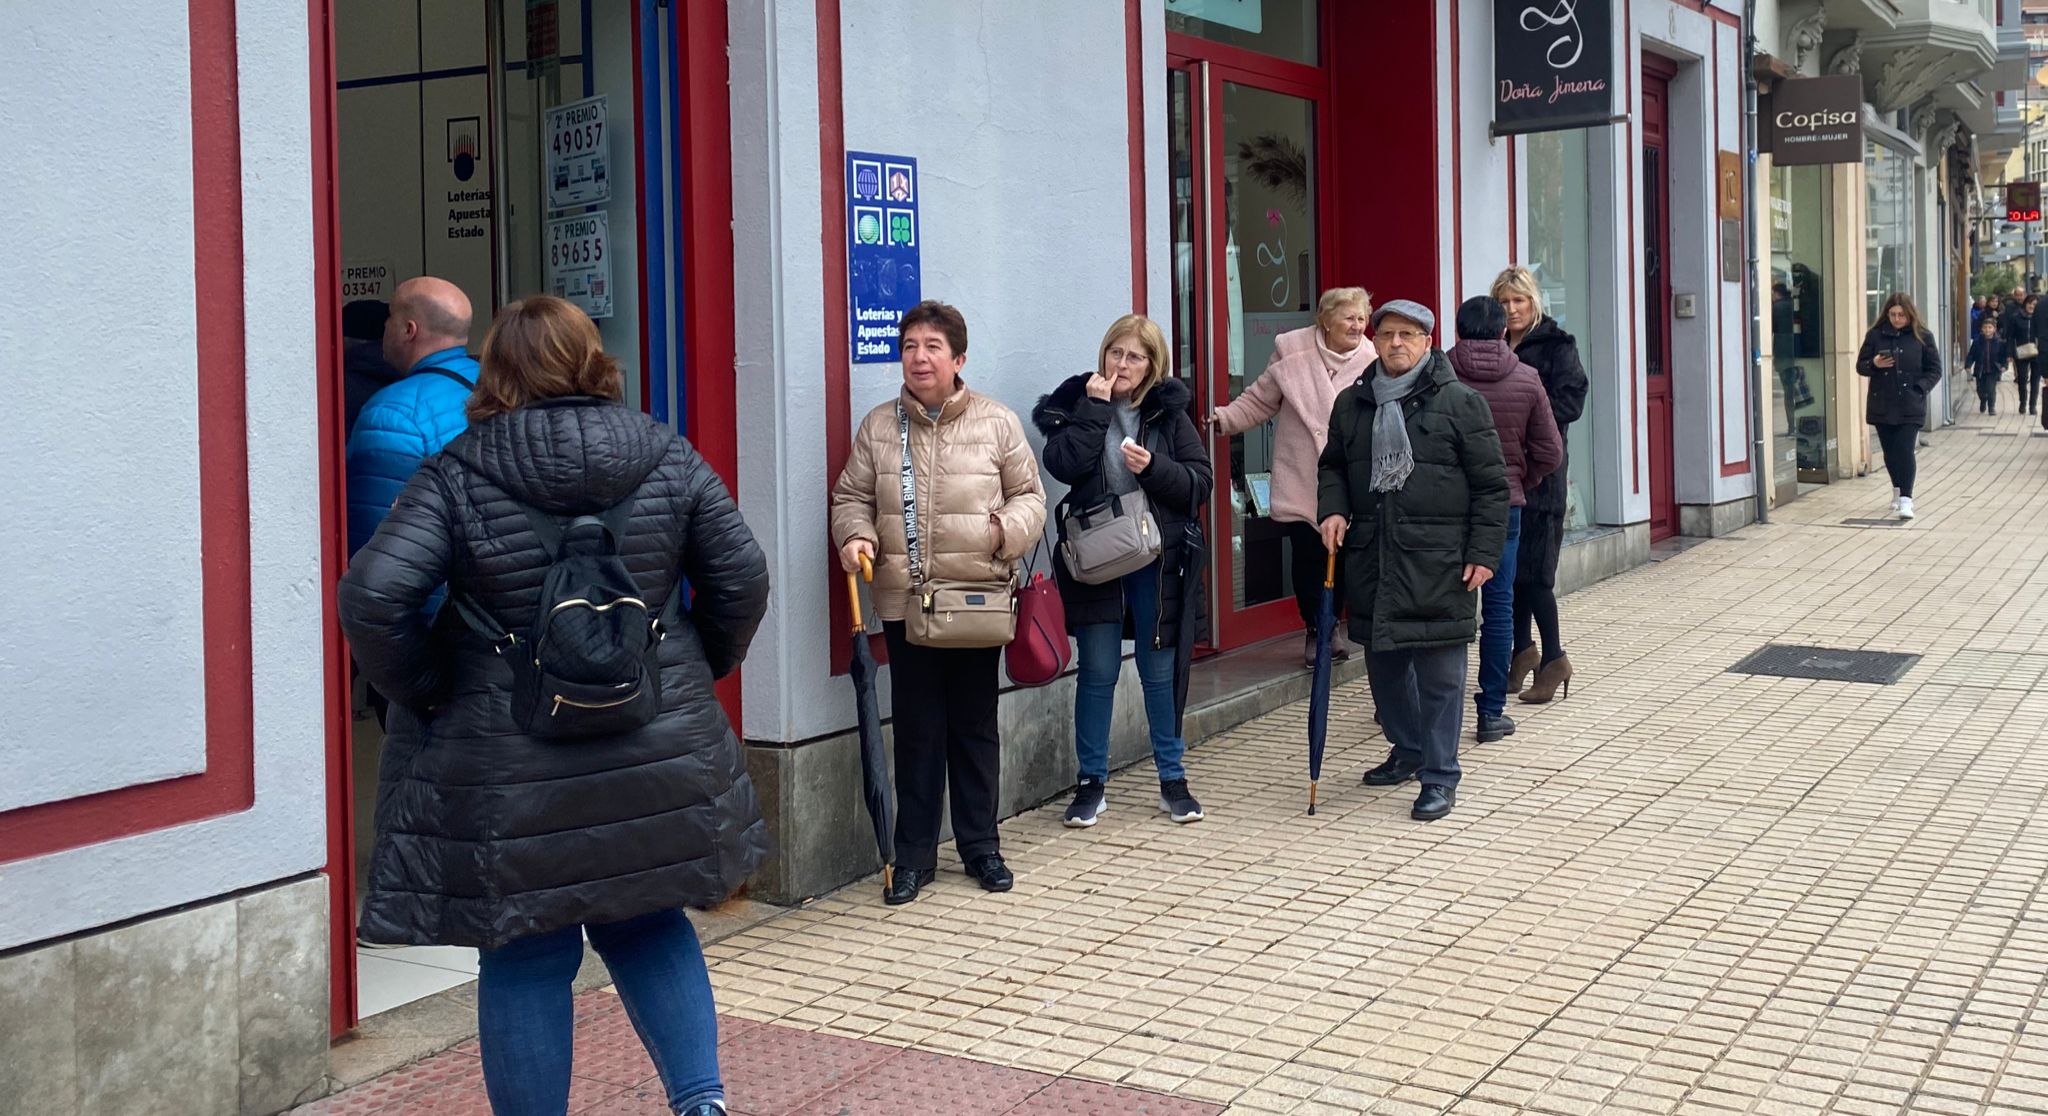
[{"x": 1900, "y": 360}]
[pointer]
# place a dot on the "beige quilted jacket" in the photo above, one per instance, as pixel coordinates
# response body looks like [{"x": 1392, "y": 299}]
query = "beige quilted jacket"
[{"x": 973, "y": 462}]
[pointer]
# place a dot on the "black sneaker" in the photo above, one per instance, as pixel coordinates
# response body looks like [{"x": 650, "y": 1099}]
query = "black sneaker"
[
  {"x": 1495, "y": 727},
  {"x": 1175, "y": 799},
  {"x": 1090, "y": 802},
  {"x": 992, "y": 873}
]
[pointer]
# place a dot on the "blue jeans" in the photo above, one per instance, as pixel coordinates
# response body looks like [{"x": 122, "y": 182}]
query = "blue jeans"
[
  {"x": 1497, "y": 624},
  {"x": 1101, "y": 648},
  {"x": 526, "y": 1018}
]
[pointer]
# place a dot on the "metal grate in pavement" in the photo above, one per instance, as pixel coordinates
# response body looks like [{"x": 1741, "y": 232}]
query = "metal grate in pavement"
[
  {"x": 1873, "y": 523},
  {"x": 1826, "y": 664},
  {"x": 1998, "y": 434}
]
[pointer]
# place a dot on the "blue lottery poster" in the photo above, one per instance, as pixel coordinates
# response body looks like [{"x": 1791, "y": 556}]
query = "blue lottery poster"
[{"x": 881, "y": 253}]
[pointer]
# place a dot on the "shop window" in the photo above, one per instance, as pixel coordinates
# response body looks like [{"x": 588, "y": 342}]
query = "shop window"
[
  {"x": 1559, "y": 191},
  {"x": 1888, "y": 241},
  {"x": 1799, "y": 225},
  {"x": 1282, "y": 28}
]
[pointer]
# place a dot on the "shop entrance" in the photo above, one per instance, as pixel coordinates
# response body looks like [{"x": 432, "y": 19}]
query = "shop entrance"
[
  {"x": 512, "y": 149},
  {"x": 1657, "y": 75}
]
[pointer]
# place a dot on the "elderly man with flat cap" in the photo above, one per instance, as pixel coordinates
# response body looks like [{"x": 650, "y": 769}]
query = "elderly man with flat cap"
[{"x": 1413, "y": 486}]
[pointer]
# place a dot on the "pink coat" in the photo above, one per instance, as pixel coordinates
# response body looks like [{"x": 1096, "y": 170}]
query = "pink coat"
[{"x": 1298, "y": 388}]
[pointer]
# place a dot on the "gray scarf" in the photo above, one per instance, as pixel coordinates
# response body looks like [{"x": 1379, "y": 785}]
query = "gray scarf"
[{"x": 1393, "y": 458}]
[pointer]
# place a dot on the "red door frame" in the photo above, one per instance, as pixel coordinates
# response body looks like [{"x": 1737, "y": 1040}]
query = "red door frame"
[
  {"x": 707, "y": 349},
  {"x": 1208, "y": 66},
  {"x": 1657, "y": 75}
]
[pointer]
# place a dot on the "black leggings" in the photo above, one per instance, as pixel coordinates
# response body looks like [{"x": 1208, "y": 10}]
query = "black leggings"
[
  {"x": 1898, "y": 440},
  {"x": 1537, "y": 603}
]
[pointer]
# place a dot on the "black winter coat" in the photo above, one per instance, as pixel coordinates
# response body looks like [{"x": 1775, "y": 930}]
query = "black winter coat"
[
  {"x": 1898, "y": 395},
  {"x": 1406, "y": 551},
  {"x": 484, "y": 834},
  {"x": 1555, "y": 356},
  {"x": 1177, "y": 484}
]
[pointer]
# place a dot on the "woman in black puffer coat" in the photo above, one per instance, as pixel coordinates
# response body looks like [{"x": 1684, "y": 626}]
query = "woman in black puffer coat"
[
  {"x": 1543, "y": 345},
  {"x": 492, "y": 838},
  {"x": 1903, "y": 364},
  {"x": 1124, "y": 428}
]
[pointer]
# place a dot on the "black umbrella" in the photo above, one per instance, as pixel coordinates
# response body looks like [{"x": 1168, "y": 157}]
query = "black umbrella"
[
  {"x": 1194, "y": 564},
  {"x": 1319, "y": 690},
  {"x": 874, "y": 762}
]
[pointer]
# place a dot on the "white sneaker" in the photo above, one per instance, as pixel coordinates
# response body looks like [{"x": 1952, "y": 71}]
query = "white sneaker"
[
  {"x": 1905, "y": 507},
  {"x": 1895, "y": 501}
]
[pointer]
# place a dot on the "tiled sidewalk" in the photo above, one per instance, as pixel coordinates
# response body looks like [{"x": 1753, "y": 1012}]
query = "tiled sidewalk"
[{"x": 1681, "y": 890}]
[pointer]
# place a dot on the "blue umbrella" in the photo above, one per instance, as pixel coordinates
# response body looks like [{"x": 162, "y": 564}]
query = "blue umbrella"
[{"x": 1319, "y": 691}]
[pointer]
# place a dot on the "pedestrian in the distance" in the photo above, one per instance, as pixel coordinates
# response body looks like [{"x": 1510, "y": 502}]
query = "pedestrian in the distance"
[
  {"x": 1531, "y": 447},
  {"x": 493, "y": 832},
  {"x": 1413, "y": 487},
  {"x": 1900, "y": 359},
  {"x": 1308, "y": 368},
  {"x": 1986, "y": 357},
  {"x": 1542, "y": 344},
  {"x": 2030, "y": 371},
  {"x": 2015, "y": 326},
  {"x": 978, "y": 508},
  {"x": 1119, "y": 431}
]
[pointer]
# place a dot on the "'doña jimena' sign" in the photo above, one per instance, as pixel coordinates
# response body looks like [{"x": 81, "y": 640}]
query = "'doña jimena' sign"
[{"x": 1553, "y": 64}]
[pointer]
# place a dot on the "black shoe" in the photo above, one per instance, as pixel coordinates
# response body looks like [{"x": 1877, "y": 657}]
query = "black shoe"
[
  {"x": 1392, "y": 773},
  {"x": 1495, "y": 727},
  {"x": 906, "y": 885},
  {"x": 1175, "y": 799},
  {"x": 1091, "y": 801},
  {"x": 992, "y": 872},
  {"x": 1435, "y": 802}
]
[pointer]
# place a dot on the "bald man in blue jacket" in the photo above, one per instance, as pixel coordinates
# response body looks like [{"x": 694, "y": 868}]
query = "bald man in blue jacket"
[{"x": 404, "y": 424}]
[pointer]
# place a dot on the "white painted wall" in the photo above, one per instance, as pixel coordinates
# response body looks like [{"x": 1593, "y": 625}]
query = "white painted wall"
[
  {"x": 284, "y": 833},
  {"x": 1016, "y": 117},
  {"x": 100, "y": 575}
]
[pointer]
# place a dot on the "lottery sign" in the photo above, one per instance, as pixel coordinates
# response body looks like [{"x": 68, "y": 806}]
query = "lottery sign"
[
  {"x": 578, "y": 173},
  {"x": 580, "y": 262}
]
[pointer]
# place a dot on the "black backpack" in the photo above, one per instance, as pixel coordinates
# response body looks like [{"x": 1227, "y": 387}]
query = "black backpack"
[{"x": 589, "y": 664}]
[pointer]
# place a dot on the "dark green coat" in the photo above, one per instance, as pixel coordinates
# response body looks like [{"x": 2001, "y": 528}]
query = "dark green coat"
[{"x": 1406, "y": 552}]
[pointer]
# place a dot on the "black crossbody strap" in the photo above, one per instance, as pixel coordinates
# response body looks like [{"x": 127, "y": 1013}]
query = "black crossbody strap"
[
  {"x": 909, "y": 492},
  {"x": 453, "y": 375}
]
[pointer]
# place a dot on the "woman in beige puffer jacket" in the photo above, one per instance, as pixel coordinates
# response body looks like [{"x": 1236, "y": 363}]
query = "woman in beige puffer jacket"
[{"x": 980, "y": 508}]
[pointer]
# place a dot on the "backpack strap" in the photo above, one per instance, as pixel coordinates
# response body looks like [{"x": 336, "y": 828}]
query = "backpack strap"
[{"x": 438, "y": 370}]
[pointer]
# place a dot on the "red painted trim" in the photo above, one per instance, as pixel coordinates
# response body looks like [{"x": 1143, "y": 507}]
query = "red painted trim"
[
  {"x": 1637, "y": 373},
  {"x": 640, "y": 210},
  {"x": 1457, "y": 166},
  {"x": 709, "y": 341},
  {"x": 838, "y": 359},
  {"x": 341, "y": 829},
  {"x": 1134, "y": 93},
  {"x": 228, "y": 783}
]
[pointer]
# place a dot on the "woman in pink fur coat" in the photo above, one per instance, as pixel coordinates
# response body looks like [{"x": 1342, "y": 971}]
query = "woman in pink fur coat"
[{"x": 1299, "y": 386}]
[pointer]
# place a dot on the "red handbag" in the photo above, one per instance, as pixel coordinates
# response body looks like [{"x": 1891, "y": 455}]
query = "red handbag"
[{"x": 1041, "y": 652}]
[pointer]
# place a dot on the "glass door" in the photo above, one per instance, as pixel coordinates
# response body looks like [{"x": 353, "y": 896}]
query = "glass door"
[{"x": 1248, "y": 247}]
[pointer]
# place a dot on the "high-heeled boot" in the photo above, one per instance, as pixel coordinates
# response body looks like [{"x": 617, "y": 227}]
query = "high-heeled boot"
[
  {"x": 1550, "y": 677},
  {"x": 1522, "y": 666}
]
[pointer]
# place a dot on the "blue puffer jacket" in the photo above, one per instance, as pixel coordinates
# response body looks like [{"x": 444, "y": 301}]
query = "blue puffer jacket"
[{"x": 399, "y": 427}]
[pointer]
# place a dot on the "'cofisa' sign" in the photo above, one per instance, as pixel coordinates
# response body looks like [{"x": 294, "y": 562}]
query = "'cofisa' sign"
[
  {"x": 1812, "y": 121},
  {"x": 1553, "y": 65}
]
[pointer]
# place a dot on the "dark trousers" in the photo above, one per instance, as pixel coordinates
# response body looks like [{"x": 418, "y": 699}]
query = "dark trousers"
[
  {"x": 945, "y": 718},
  {"x": 1309, "y": 561},
  {"x": 1899, "y": 440},
  {"x": 1420, "y": 698},
  {"x": 2028, "y": 380}
]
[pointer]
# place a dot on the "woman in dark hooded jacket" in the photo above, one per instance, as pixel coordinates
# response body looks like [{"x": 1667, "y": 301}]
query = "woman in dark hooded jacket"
[
  {"x": 1541, "y": 344},
  {"x": 492, "y": 837},
  {"x": 1119, "y": 430}
]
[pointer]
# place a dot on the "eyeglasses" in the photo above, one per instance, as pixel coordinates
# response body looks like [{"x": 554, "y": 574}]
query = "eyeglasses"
[
  {"x": 1401, "y": 335},
  {"x": 1126, "y": 356}
]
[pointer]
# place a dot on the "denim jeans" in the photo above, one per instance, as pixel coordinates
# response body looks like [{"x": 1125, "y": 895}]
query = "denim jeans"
[
  {"x": 1497, "y": 624},
  {"x": 526, "y": 1017},
  {"x": 1101, "y": 648}
]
